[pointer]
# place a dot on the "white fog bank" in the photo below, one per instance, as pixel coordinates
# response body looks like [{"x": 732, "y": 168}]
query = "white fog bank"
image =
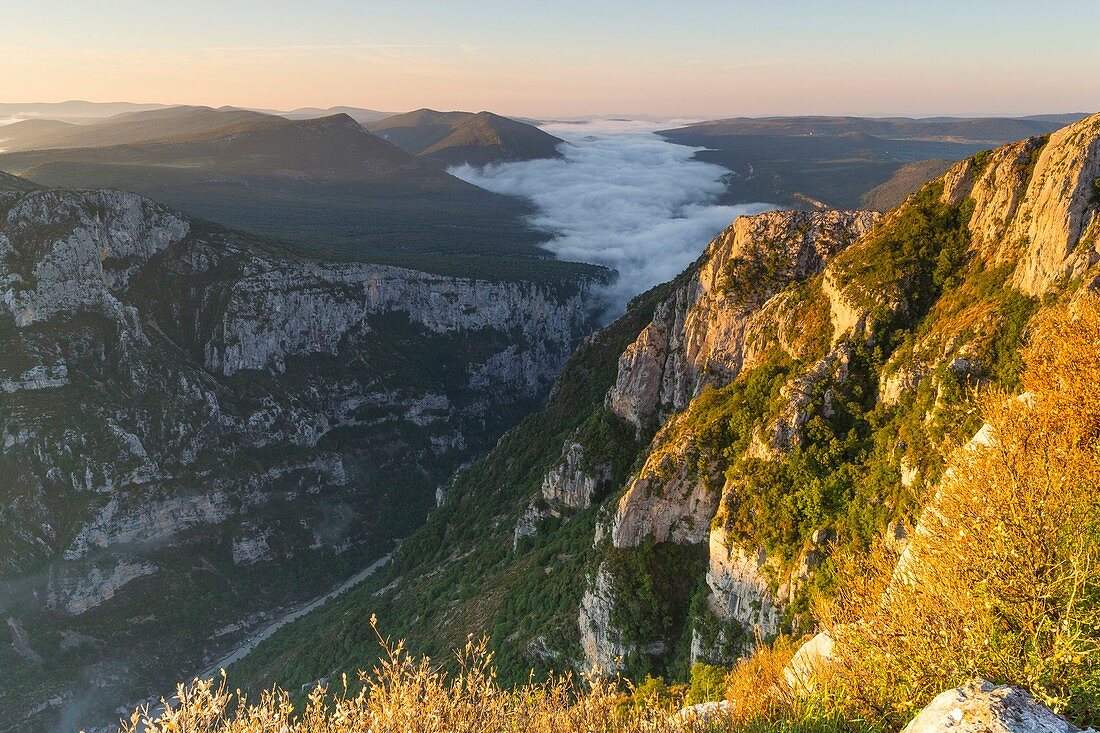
[{"x": 621, "y": 197}]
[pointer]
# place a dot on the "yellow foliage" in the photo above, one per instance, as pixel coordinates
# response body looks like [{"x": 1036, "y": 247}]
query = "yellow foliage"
[{"x": 1001, "y": 578}]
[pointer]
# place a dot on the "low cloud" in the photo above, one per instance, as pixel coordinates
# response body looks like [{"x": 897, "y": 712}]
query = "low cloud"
[{"x": 621, "y": 197}]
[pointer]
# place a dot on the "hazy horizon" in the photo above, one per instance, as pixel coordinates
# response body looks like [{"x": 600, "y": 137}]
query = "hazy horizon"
[
  {"x": 567, "y": 59},
  {"x": 563, "y": 117}
]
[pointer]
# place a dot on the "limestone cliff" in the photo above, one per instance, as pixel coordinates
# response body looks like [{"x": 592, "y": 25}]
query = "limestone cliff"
[
  {"x": 880, "y": 323},
  {"x": 710, "y": 329},
  {"x": 182, "y": 407}
]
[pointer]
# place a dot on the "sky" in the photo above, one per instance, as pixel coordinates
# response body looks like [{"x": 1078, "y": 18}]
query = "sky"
[{"x": 694, "y": 58}]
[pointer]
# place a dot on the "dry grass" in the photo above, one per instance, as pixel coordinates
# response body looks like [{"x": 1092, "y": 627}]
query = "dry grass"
[{"x": 408, "y": 695}]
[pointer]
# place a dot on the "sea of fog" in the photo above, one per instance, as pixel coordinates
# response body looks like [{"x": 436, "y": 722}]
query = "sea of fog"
[{"x": 621, "y": 196}]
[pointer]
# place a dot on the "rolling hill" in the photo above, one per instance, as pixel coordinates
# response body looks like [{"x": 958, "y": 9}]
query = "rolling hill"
[
  {"x": 837, "y": 161},
  {"x": 321, "y": 186},
  {"x": 452, "y": 138},
  {"x": 77, "y": 111},
  {"x": 123, "y": 129},
  {"x": 359, "y": 114}
]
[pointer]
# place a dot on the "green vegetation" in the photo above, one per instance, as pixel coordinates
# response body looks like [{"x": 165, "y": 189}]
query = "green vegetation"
[
  {"x": 652, "y": 587},
  {"x": 453, "y": 138},
  {"x": 1001, "y": 583},
  {"x": 912, "y": 261},
  {"x": 528, "y": 600},
  {"x": 708, "y": 683},
  {"x": 906, "y": 179},
  {"x": 844, "y": 162}
]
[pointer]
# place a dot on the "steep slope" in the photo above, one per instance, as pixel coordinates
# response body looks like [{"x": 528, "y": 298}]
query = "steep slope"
[
  {"x": 14, "y": 183},
  {"x": 452, "y": 138},
  {"x": 196, "y": 432},
  {"x": 907, "y": 179},
  {"x": 323, "y": 186},
  {"x": 124, "y": 129},
  {"x": 789, "y": 397}
]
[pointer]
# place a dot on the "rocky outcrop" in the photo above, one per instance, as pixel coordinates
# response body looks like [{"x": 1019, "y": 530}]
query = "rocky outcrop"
[
  {"x": 670, "y": 500},
  {"x": 702, "y": 333},
  {"x": 105, "y": 238},
  {"x": 528, "y": 524},
  {"x": 278, "y": 309},
  {"x": 704, "y": 714},
  {"x": 728, "y": 313},
  {"x": 981, "y": 707},
  {"x": 601, "y": 643},
  {"x": 784, "y": 433},
  {"x": 1035, "y": 205},
  {"x": 251, "y": 547},
  {"x": 569, "y": 485},
  {"x": 739, "y": 586},
  {"x": 39, "y": 377},
  {"x": 740, "y": 598},
  {"x": 77, "y": 588},
  {"x": 811, "y": 664}
]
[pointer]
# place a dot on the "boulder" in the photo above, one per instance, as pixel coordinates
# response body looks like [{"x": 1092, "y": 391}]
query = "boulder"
[
  {"x": 810, "y": 662},
  {"x": 702, "y": 714},
  {"x": 981, "y": 707}
]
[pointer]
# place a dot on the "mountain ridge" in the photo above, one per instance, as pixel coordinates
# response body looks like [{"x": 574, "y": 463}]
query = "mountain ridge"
[{"x": 323, "y": 187}]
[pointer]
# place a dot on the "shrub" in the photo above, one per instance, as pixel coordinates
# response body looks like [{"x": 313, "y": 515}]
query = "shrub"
[{"x": 708, "y": 683}]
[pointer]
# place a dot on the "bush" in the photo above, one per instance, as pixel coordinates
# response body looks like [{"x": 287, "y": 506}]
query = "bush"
[
  {"x": 409, "y": 695},
  {"x": 708, "y": 683}
]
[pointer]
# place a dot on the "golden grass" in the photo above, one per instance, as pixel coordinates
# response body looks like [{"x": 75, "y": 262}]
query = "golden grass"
[{"x": 403, "y": 694}]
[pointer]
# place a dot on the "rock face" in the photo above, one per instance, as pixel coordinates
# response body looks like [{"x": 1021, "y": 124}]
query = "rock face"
[
  {"x": 817, "y": 290},
  {"x": 277, "y": 310},
  {"x": 569, "y": 485},
  {"x": 601, "y": 643},
  {"x": 723, "y": 317},
  {"x": 1036, "y": 203},
  {"x": 183, "y": 407},
  {"x": 75, "y": 589},
  {"x": 980, "y": 707},
  {"x": 812, "y": 661},
  {"x": 703, "y": 334},
  {"x": 668, "y": 501},
  {"x": 739, "y": 593}
]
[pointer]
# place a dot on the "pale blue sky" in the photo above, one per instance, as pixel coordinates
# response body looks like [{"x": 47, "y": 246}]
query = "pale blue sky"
[{"x": 569, "y": 57}]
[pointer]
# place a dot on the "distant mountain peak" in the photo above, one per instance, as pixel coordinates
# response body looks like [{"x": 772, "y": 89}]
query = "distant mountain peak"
[{"x": 452, "y": 138}]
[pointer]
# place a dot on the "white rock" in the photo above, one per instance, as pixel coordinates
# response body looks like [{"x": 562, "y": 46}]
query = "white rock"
[{"x": 979, "y": 707}]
